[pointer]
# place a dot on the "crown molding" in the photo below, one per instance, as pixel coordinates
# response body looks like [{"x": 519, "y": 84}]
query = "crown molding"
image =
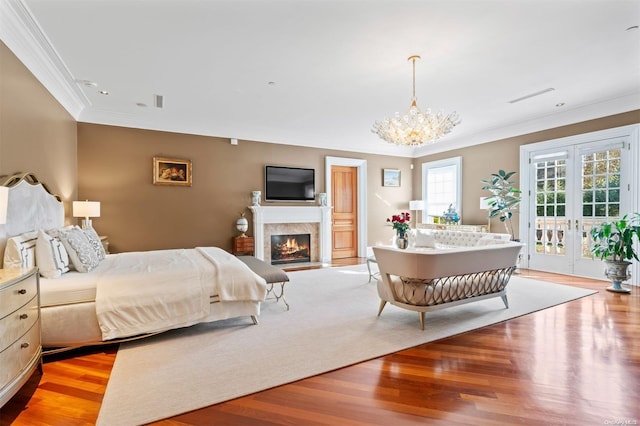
[{"x": 24, "y": 37}]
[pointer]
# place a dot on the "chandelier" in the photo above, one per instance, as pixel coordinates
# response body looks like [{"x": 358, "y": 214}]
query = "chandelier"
[{"x": 415, "y": 128}]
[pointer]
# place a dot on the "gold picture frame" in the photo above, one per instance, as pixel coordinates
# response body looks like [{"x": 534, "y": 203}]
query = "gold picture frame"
[
  {"x": 171, "y": 171},
  {"x": 390, "y": 177}
]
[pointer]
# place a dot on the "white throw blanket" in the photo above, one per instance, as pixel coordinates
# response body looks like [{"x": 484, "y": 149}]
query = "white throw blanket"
[{"x": 144, "y": 292}]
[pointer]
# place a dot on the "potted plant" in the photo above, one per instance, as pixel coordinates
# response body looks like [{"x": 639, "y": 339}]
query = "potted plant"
[
  {"x": 504, "y": 198},
  {"x": 613, "y": 242},
  {"x": 401, "y": 223}
]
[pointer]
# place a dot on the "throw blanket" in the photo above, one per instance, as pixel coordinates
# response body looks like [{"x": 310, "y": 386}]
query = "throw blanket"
[{"x": 144, "y": 292}]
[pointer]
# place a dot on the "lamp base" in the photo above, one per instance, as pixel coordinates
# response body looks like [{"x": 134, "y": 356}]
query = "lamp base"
[{"x": 86, "y": 224}]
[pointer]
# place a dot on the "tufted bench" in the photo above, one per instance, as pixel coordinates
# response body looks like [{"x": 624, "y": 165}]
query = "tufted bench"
[
  {"x": 271, "y": 274},
  {"x": 445, "y": 268}
]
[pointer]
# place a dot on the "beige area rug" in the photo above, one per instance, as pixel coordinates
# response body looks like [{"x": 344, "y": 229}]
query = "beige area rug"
[{"x": 332, "y": 323}]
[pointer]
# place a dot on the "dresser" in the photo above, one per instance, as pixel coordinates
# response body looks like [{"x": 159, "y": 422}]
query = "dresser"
[
  {"x": 20, "y": 349},
  {"x": 242, "y": 246}
]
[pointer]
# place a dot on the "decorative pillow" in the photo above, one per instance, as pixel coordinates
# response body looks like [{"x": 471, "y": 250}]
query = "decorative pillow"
[
  {"x": 82, "y": 255},
  {"x": 425, "y": 239},
  {"x": 491, "y": 239},
  {"x": 95, "y": 242},
  {"x": 53, "y": 260},
  {"x": 20, "y": 251}
]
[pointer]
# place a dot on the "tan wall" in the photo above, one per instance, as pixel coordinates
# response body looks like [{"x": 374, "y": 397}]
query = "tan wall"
[
  {"x": 478, "y": 162},
  {"x": 36, "y": 133},
  {"x": 115, "y": 168}
]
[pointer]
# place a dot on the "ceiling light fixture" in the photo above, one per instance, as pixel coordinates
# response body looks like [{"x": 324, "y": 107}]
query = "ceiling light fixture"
[{"x": 415, "y": 128}]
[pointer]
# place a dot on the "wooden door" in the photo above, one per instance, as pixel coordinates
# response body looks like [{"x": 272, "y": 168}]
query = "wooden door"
[{"x": 345, "y": 212}]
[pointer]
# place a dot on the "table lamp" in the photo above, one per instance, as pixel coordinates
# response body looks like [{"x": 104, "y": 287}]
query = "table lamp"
[
  {"x": 417, "y": 205},
  {"x": 86, "y": 209},
  {"x": 484, "y": 205},
  {"x": 4, "y": 202}
]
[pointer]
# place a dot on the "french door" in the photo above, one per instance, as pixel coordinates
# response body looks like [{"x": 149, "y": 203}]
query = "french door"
[{"x": 572, "y": 188}]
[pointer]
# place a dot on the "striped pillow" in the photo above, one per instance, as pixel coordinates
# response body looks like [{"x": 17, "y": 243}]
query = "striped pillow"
[
  {"x": 53, "y": 260},
  {"x": 20, "y": 251}
]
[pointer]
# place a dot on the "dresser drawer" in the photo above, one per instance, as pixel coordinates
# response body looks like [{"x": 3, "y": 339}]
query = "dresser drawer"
[
  {"x": 17, "y": 356},
  {"x": 15, "y": 295},
  {"x": 18, "y": 323}
]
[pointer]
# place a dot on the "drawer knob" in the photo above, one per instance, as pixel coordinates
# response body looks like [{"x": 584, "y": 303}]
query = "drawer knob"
[
  {"x": 24, "y": 345},
  {"x": 22, "y": 291},
  {"x": 24, "y": 316}
]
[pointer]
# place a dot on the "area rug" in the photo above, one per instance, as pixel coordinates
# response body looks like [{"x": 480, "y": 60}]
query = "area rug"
[{"x": 332, "y": 323}]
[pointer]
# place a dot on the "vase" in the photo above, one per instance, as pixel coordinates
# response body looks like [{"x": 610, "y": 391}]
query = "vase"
[
  {"x": 402, "y": 242},
  {"x": 617, "y": 272}
]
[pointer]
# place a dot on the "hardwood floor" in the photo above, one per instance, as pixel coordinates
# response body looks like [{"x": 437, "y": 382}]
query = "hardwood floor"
[{"x": 576, "y": 363}]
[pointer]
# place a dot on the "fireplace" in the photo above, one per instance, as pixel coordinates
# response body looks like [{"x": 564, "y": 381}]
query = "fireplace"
[{"x": 288, "y": 248}]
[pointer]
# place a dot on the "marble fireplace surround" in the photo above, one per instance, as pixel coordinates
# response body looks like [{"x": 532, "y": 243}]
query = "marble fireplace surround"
[{"x": 314, "y": 220}]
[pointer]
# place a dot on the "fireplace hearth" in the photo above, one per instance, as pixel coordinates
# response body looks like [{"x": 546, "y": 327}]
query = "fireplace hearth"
[{"x": 289, "y": 248}]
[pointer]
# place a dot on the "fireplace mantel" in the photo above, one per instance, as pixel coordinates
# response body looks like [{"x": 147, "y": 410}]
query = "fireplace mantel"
[{"x": 293, "y": 214}]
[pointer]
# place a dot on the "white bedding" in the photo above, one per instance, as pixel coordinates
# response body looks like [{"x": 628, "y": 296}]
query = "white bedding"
[{"x": 143, "y": 292}]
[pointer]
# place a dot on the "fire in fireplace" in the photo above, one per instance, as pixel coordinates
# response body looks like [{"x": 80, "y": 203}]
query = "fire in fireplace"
[{"x": 290, "y": 248}]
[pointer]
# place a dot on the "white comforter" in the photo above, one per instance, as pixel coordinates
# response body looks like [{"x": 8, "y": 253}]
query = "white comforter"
[{"x": 145, "y": 292}]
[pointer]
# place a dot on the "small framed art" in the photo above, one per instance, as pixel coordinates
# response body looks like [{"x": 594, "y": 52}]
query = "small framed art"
[
  {"x": 390, "y": 177},
  {"x": 171, "y": 171}
]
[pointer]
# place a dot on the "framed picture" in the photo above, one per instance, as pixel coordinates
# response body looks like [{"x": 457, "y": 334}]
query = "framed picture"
[
  {"x": 390, "y": 177},
  {"x": 171, "y": 171}
]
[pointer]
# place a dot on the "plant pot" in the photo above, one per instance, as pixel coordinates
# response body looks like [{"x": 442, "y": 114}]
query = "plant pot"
[
  {"x": 617, "y": 272},
  {"x": 402, "y": 242}
]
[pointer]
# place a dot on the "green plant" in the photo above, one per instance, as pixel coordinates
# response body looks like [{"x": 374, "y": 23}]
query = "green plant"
[
  {"x": 614, "y": 240},
  {"x": 504, "y": 198}
]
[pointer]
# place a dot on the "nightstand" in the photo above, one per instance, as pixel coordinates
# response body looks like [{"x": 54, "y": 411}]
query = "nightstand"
[
  {"x": 242, "y": 246},
  {"x": 20, "y": 348},
  {"x": 105, "y": 243}
]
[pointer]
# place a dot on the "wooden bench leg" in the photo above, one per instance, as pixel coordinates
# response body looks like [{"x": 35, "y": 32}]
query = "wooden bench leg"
[{"x": 382, "y": 303}]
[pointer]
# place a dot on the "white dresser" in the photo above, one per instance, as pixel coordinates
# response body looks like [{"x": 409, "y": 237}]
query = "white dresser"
[{"x": 20, "y": 349}]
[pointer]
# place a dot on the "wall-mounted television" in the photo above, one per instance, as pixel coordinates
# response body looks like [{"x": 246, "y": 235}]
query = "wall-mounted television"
[{"x": 289, "y": 184}]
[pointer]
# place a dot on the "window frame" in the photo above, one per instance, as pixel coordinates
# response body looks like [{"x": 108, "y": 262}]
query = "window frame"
[{"x": 446, "y": 162}]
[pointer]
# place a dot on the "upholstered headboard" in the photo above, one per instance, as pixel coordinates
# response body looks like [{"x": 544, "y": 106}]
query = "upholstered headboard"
[{"x": 31, "y": 207}]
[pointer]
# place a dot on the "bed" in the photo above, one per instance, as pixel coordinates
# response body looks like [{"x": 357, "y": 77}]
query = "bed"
[{"x": 118, "y": 296}]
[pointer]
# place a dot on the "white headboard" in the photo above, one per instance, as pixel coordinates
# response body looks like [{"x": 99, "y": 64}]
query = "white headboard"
[{"x": 31, "y": 207}]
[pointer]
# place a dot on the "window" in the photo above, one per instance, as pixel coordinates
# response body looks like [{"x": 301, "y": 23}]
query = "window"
[{"x": 441, "y": 186}]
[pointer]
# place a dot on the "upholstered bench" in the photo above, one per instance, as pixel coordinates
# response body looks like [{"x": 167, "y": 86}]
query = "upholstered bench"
[
  {"x": 445, "y": 268},
  {"x": 271, "y": 274}
]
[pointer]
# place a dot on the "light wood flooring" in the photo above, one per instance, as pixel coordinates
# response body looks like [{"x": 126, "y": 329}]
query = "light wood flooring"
[{"x": 577, "y": 363}]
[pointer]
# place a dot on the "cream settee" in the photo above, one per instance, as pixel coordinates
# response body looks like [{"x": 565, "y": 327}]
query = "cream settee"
[{"x": 445, "y": 268}]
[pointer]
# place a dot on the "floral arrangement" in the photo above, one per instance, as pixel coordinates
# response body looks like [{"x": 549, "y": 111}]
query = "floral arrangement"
[{"x": 401, "y": 222}]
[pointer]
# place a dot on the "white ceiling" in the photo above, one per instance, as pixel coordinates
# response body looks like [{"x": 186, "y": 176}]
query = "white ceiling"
[{"x": 319, "y": 73}]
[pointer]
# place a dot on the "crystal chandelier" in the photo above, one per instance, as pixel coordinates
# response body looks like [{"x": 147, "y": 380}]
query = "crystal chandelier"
[{"x": 415, "y": 128}]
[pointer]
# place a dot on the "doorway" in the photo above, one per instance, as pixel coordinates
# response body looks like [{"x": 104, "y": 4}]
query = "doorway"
[
  {"x": 360, "y": 236},
  {"x": 573, "y": 185}
]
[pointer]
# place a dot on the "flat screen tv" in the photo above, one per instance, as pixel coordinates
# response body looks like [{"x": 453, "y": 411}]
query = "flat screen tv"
[{"x": 289, "y": 184}]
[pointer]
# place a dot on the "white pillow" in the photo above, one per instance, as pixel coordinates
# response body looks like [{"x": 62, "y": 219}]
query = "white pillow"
[
  {"x": 491, "y": 239},
  {"x": 53, "y": 260},
  {"x": 20, "y": 251},
  {"x": 425, "y": 238},
  {"x": 95, "y": 242},
  {"x": 81, "y": 254}
]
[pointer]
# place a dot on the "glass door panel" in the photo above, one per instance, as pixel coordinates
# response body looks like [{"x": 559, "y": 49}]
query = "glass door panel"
[
  {"x": 550, "y": 207},
  {"x": 600, "y": 199}
]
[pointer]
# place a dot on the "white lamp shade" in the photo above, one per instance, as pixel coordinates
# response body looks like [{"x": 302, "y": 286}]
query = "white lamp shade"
[
  {"x": 416, "y": 205},
  {"x": 86, "y": 209},
  {"x": 484, "y": 204},
  {"x": 4, "y": 202}
]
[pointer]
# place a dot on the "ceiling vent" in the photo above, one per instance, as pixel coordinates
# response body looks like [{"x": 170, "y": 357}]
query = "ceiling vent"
[{"x": 550, "y": 89}]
